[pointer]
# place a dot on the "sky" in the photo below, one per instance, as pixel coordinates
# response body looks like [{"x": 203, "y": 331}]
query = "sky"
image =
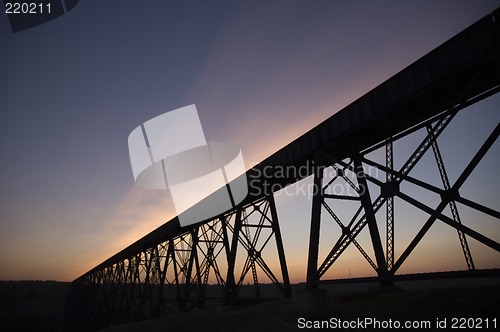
[{"x": 261, "y": 73}]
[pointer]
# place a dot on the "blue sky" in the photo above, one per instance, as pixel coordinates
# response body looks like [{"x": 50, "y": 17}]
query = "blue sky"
[{"x": 261, "y": 73}]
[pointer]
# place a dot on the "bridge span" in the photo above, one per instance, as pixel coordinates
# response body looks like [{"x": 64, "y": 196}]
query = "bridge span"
[{"x": 170, "y": 268}]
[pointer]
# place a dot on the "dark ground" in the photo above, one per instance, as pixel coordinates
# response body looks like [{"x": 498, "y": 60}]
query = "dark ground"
[
  {"x": 283, "y": 314},
  {"x": 34, "y": 306},
  {"x": 39, "y": 306}
]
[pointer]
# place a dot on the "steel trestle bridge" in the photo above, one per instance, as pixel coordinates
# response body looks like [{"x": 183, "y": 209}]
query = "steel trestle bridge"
[{"x": 169, "y": 269}]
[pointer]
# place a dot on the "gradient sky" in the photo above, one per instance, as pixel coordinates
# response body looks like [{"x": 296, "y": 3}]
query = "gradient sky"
[{"x": 261, "y": 73}]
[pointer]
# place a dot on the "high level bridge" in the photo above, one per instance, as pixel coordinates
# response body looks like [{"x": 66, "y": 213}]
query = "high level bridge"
[{"x": 169, "y": 269}]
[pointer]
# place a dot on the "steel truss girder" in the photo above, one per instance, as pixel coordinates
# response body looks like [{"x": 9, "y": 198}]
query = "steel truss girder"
[
  {"x": 212, "y": 242},
  {"x": 344, "y": 241},
  {"x": 389, "y": 189},
  {"x": 265, "y": 210},
  {"x": 142, "y": 287},
  {"x": 445, "y": 199},
  {"x": 173, "y": 275}
]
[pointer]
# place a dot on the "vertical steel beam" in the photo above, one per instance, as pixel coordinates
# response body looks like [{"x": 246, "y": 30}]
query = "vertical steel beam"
[
  {"x": 163, "y": 275},
  {"x": 312, "y": 280},
  {"x": 171, "y": 252},
  {"x": 256, "y": 285},
  {"x": 366, "y": 202},
  {"x": 389, "y": 207},
  {"x": 230, "y": 280},
  {"x": 191, "y": 262},
  {"x": 201, "y": 296},
  {"x": 251, "y": 250},
  {"x": 161, "y": 282},
  {"x": 225, "y": 239},
  {"x": 279, "y": 245}
]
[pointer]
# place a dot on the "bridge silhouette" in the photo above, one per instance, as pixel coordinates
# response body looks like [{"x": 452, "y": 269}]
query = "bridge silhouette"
[{"x": 169, "y": 270}]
